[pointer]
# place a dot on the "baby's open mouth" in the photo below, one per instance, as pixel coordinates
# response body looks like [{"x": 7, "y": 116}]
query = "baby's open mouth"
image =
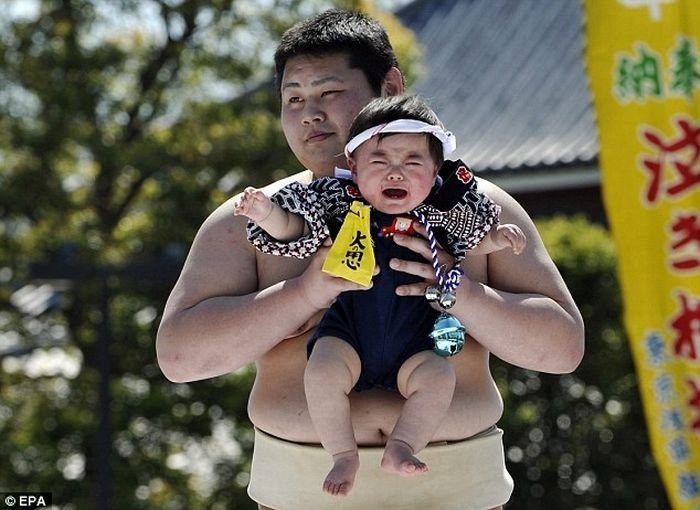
[{"x": 395, "y": 193}]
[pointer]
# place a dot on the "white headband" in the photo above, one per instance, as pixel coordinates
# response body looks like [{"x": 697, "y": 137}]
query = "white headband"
[{"x": 449, "y": 144}]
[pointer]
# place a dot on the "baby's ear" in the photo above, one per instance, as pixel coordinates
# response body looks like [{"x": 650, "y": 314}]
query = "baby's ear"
[{"x": 352, "y": 164}]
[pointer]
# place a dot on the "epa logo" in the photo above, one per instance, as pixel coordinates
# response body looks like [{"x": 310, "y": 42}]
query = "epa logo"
[{"x": 27, "y": 500}]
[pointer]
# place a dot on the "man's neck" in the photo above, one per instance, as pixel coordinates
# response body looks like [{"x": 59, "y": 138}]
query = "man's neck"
[
  {"x": 326, "y": 172},
  {"x": 318, "y": 175}
]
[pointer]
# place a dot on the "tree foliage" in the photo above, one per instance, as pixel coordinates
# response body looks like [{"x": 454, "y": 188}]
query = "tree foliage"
[{"x": 122, "y": 125}]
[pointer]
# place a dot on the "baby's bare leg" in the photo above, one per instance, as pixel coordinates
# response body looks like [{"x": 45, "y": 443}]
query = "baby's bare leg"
[
  {"x": 330, "y": 375},
  {"x": 427, "y": 381}
]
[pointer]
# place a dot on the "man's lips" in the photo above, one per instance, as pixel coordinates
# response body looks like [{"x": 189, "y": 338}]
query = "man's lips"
[{"x": 317, "y": 137}]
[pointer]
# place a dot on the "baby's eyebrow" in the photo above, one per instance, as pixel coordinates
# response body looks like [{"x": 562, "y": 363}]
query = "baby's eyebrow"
[{"x": 384, "y": 152}]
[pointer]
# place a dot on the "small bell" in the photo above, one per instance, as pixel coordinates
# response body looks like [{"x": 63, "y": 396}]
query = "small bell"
[
  {"x": 447, "y": 335},
  {"x": 432, "y": 294},
  {"x": 447, "y": 300}
]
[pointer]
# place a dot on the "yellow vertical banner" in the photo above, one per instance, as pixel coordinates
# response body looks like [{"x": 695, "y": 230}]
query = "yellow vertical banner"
[{"x": 643, "y": 63}]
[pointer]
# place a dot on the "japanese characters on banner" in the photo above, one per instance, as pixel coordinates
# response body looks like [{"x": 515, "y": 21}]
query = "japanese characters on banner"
[{"x": 643, "y": 61}]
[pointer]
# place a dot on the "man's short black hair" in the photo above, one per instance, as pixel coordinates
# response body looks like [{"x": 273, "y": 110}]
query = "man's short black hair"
[
  {"x": 361, "y": 38},
  {"x": 386, "y": 109}
]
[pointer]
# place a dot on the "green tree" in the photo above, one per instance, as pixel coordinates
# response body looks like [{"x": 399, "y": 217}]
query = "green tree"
[{"x": 123, "y": 124}]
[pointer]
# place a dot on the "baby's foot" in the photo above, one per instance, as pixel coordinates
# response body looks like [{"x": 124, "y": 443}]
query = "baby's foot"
[
  {"x": 342, "y": 475},
  {"x": 398, "y": 459}
]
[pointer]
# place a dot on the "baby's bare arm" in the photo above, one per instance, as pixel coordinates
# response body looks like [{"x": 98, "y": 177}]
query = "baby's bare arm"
[
  {"x": 503, "y": 236},
  {"x": 280, "y": 224}
]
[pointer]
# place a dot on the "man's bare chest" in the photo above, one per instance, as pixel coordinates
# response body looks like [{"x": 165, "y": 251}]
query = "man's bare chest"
[{"x": 273, "y": 269}]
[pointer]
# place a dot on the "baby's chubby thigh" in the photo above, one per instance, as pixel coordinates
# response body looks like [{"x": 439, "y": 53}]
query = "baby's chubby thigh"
[
  {"x": 334, "y": 362},
  {"x": 426, "y": 371}
]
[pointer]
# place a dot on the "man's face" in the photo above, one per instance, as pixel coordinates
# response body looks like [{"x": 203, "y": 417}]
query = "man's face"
[
  {"x": 394, "y": 173},
  {"x": 321, "y": 95}
]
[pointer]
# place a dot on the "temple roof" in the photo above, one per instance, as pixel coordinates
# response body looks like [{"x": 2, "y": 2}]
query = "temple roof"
[{"x": 508, "y": 79}]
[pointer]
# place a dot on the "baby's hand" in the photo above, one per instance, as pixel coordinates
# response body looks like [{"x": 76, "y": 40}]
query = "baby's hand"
[
  {"x": 254, "y": 204},
  {"x": 511, "y": 235}
]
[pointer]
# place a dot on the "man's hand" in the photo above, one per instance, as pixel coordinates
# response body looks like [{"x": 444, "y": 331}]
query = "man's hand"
[
  {"x": 254, "y": 204},
  {"x": 321, "y": 289},
  {"x": 423, "y": 270}
]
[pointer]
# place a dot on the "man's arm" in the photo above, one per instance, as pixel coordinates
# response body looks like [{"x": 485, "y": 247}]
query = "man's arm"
[
  {"x": 525, "y": 315},
  {"x": 213, "y": 321}
]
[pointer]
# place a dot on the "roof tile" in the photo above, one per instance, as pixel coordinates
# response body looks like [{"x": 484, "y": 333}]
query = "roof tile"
[{"x": 508, "y": 79}]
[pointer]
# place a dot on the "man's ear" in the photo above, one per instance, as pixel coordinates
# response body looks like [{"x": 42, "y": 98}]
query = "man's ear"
[{"x": 393, "y": 83}]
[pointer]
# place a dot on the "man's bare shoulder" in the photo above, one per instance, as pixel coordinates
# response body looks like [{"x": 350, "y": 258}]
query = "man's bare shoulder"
[
  {"x": 531, "y": 271},
  {"x": 304, "y": 177},
  {"x": 221, "y": 260},
  {"x": 222, "y": 221},
  {"x": 512, "y": 211}
]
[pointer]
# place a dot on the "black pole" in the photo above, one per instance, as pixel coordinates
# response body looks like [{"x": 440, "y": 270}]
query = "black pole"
[
  {"x": 104, "y": 446},
  {"x": 157, "y": 271}
]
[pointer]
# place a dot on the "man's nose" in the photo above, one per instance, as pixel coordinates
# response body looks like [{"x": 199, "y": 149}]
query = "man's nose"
[{"x": 312, "y": 112}]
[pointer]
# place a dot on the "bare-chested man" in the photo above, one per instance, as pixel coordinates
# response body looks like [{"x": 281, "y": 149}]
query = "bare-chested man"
[{"x": 233, "y": 306}]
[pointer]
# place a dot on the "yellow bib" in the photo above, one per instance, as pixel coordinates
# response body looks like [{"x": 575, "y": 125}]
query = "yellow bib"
[{"x": 352, "y": 256}]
